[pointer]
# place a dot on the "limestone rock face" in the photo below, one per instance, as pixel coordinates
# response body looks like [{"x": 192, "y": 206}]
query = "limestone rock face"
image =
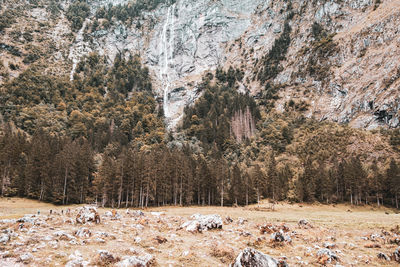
[{"x": 181, "y": 40}]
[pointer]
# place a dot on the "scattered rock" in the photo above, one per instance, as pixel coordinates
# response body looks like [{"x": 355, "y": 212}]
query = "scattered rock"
[
  {"x": 383, "y": 256},
  {"x": 395, "y": 230},
  {"x": 394, "y": 240},
  {"x": 53, "y": 244},
  {"x": 28, "y": 218},
  {"x": 396, "y": 255},
  {"x": 105, "y": 258},
  {"x": 242, "y": 221},
  {"x": 185, "y": 253},
  {"x": 25, "y": 258},
  {"x": 228, "y": 220},
  {"x": 73, "y": 242},
  {"x": 326, "y": 256},
  {"x": 113, "y": 215},
  {"x": 5, "y": 238},
  {"x": 160, "y": 239},
  {"x": 87, "y": 214},
  {"x": 135, "y": 213},
  {"x": 64, "y": 236},
  {"x": 375, "y": 237},
  {"x": 244, "y": 233},
  {"x": 100, "y": 240},
  {"x": 250, "y": 257},
  {"x": 8, "y": 221},
  {"x": 69, "y": 221},
  {"x": 83, "y": 232},
  {"x": 304, "y": 224},
  {"x": 201, "y": 223},
  {"x": 329, "y": 245},
  {"x": 76, "y": 260},
  {"x": 138, "y": 227},
  {"x": 372, "y": 245},
  {"x": 270, "y": 228},
  {"x": 279, "y": 237},
  {"x": 5, "y": 254},
  {"x": 136, "y": 261},
  {"x": 108, "y": 214}
]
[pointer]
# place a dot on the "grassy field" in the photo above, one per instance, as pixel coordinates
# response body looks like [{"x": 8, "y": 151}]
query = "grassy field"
[
  {"x": 343, "y": 216},
  {"x": 348, "y": 227}
]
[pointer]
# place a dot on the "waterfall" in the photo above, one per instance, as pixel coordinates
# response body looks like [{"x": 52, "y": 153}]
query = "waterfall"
[
  {"x": 166, "y": 54},
  {"x": 77, "y": 50}
]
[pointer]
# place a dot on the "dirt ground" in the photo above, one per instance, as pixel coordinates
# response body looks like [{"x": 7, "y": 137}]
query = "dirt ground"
[{"x": 356, "y": 235}]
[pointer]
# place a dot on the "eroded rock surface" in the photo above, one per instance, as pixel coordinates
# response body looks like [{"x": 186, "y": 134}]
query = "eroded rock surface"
[{"x": 250, "y": 257}]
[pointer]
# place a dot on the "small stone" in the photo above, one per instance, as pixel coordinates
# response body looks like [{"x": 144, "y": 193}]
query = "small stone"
[
  {"x": 160, "y": 239},
  {"x": 383, "y": 256},
  {"x": 106, "y": 258},
  {"x": 329, "y": 245},
  {"x": 326, "y": 256},
  {"x": 5, "y": 238},
  {"x": 25, "y": 258},
  {"x": 134, "y": 261},
  {"x": 241, "y": 221},
  {"x": 83, "y": 232},
  {"x": 304, "y": 224}
]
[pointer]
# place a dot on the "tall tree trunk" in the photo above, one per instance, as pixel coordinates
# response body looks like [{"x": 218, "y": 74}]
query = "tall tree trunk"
[
  {"x": 147, "y": 194},
  {"x": 3, "y": 184},
  {"x": 140, "y": 196},
  {"x": 181, "y": 189},
  {"x": 65, "y": 184},
  {"x": 222, "y": 193},
  {"x": 377, "y": 199},
  {"x": 176, "y": 193},
  {"x": 258, "y": 196},
  {"x": 41, "y": 190},
  {"x": 133, "y": 190},
  {"x": 247, "y": 190},
  {"x": 81, "y": 195},
  {"x": 127, "y": 197},
  {"x": 120, "y": 187}
]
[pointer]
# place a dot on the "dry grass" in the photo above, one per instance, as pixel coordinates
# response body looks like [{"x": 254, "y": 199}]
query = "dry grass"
[
  {"x": 224, "y": 253},
  {"x": 363, "y": 217},
  {"x": 159, "y": 236}
]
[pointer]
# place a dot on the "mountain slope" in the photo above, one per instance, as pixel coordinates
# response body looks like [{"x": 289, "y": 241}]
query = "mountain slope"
[{"x": 348, "y": 74}]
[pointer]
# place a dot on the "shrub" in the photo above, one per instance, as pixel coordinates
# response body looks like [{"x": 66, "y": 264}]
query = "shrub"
[{"x": 77, "y": 13}]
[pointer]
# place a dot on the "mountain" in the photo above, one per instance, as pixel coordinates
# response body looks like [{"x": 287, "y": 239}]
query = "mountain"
[
  {"x": 289, "y": 99},
  {"x": 341, "y": 59}
]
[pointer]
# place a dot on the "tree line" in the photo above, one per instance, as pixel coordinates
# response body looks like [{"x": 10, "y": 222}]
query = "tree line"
[{"x": 64, "y": 171}]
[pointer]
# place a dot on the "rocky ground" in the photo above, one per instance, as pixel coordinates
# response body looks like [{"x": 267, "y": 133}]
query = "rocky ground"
[{"x": 295, "y": 235}]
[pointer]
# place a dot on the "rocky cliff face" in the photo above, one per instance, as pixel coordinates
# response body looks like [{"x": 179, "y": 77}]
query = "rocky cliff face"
[{"x": 356, "y": 81}]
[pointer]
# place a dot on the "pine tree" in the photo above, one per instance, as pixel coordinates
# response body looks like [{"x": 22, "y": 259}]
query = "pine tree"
[{"x": 393, "y": 178}]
